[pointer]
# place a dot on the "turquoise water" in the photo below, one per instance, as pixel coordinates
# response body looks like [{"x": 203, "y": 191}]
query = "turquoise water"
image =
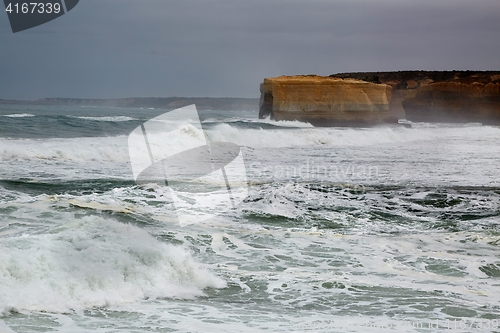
[{"x": 343, "y": 230}]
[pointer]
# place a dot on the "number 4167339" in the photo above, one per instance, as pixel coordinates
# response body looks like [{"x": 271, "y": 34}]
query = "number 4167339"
[{"x": 34, "y": 8}]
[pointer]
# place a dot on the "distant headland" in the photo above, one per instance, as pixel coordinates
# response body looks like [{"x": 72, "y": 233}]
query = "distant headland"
[
  {"x": 202, "y": 103},
  {"x": 370, "y": 98}
]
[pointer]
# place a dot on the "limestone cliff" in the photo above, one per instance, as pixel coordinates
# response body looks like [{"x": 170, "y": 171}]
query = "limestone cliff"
[
  {"x": 325, "y": 101},
  {"x": 440, "y": 96},
  {"x": 455, "y": 102}
]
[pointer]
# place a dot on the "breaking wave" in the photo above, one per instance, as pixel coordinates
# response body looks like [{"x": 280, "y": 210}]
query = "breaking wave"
[{"x": 94, "y": 262}]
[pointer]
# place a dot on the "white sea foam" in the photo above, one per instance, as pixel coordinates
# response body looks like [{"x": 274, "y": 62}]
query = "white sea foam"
[
  {"x": 107, "y": 149},
  {"x": 294, "y": 276},
  {"x": 292, "y": 123},
  {"x": 95, "y": 262},
  {"x": 19, "y": 115},
  {"x": 342, "y": 136},
  {"x": 115, "y": 119},
  {"x": 115, "y": 148},
  {"x": 74, "y": 149},
  {"x": 284, "y": 123},
  {"x": 356, "y": 266}
]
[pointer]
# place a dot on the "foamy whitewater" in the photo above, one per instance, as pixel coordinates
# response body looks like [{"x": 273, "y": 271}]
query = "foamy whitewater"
[{"x": 344, "y": 229}]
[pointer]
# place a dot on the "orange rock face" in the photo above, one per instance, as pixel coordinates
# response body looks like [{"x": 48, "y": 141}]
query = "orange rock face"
[
  {"x": 325, "y": 101},
  {"x": 455, "y": 102},
  {"x": 441, "y": 96}
]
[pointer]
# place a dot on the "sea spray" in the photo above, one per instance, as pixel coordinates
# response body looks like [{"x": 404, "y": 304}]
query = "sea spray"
[{"x": 95, "y": 262}]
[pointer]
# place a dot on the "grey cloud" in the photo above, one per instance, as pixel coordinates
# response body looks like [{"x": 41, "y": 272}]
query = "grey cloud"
[{"x": 118, "y": 48}]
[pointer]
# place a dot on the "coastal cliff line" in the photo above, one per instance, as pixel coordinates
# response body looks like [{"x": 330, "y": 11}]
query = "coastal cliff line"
[
  {"x": 371, "y": 98},
  {"x": 440, "y": 96}
]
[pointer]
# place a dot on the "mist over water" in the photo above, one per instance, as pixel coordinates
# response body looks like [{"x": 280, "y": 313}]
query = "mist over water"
[{"x": 344, "y": 229}]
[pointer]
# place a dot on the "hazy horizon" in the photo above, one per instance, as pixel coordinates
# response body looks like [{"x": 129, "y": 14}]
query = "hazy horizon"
[{"x": 125, "y": 48}]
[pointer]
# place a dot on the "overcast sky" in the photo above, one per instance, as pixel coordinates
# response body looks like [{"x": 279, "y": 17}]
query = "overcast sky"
[{"x": 218, "y": 48}]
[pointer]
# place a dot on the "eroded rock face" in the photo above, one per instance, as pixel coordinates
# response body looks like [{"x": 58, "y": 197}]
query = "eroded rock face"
[
  {"x": 325, "y": 101},
  {"x": 455, "y": 102},
  {"x": 446, "y": 96}
]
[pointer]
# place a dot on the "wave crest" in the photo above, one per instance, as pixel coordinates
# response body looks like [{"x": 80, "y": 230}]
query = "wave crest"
[{"x": 95, "y": 263}]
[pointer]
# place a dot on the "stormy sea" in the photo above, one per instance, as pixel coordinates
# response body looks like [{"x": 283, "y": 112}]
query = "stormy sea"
[{"x": 378, "y": 229}]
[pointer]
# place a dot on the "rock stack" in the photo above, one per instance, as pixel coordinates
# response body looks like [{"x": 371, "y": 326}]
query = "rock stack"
[{"x": 325, "y": 101}]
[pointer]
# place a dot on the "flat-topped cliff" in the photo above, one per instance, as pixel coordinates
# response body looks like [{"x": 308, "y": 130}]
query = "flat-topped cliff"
[
  {"x": 325, "y": 101},
  {"x": 440, "y": 96}
]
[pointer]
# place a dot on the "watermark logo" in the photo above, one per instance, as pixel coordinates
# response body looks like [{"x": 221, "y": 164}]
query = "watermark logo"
[
  {"x": 25, "y": 15},
  {"x": 205, "y": 178}
]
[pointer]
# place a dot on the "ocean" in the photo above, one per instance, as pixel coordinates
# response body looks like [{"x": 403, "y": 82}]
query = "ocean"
[{"x": 343, "y": 230}]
